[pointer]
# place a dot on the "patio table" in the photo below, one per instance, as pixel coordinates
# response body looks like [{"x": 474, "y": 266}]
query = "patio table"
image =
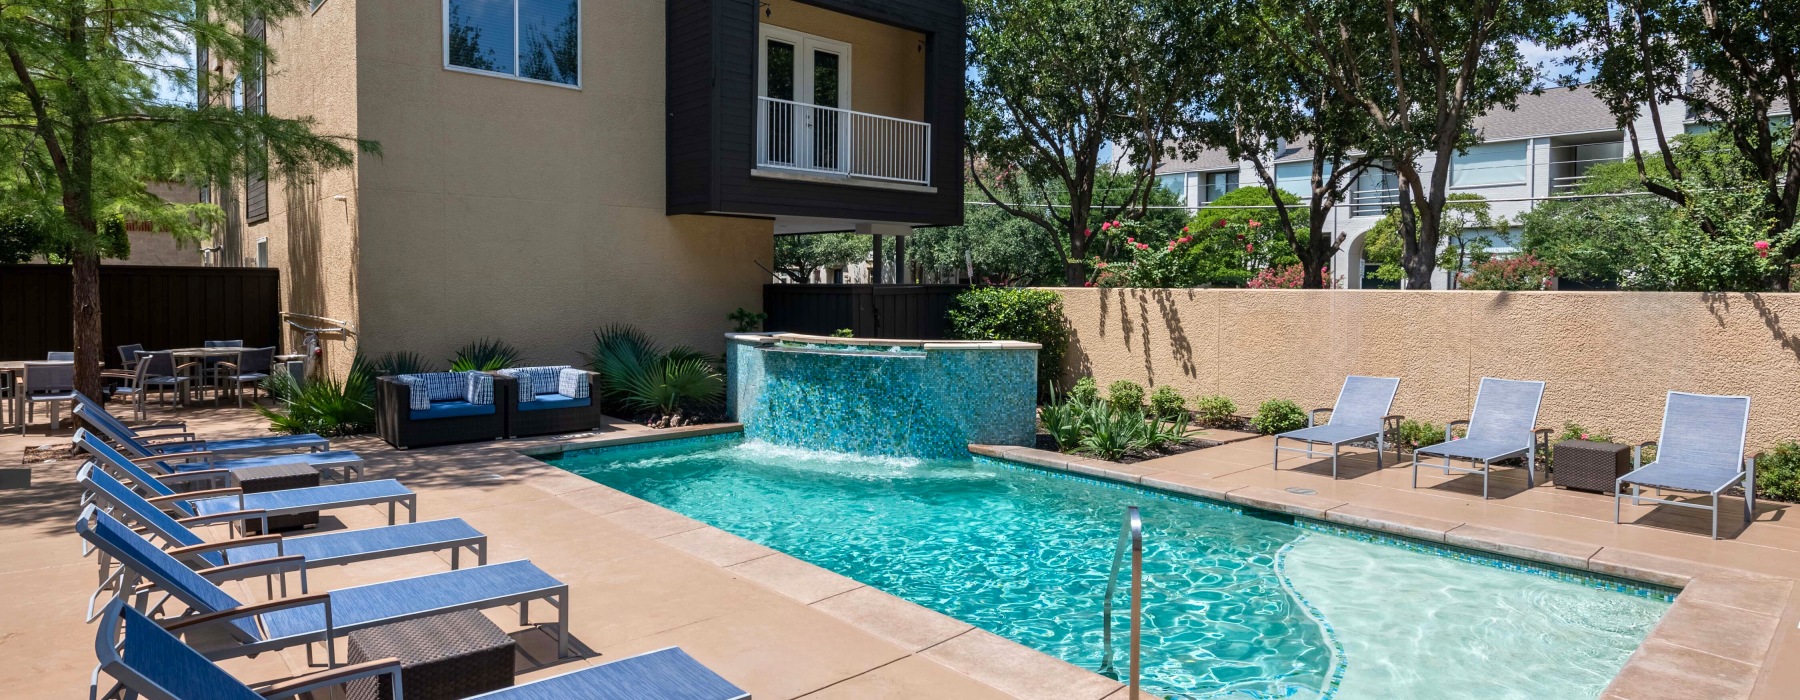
[
  {"x": 1590, "y": 466},
  {"x": 278, "y": 477},
  {"x": 16, "y": 370},
  {"x": 452, "y": 655},
  {"x": 233, "y": 355}
]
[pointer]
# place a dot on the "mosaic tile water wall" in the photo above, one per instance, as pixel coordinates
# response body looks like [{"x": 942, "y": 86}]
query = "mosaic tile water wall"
[{"x": 906, "y": 402}]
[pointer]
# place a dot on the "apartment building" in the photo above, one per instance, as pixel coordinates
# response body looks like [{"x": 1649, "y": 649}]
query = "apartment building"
[
  {"x": 1541, "y": 149},
  {"x": 551, "y": 166}
]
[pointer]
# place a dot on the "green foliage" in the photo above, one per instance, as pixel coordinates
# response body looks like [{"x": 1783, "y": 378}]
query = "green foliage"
[
  {"x": 1086, "y": 390},
  {"x": 1109, "y": 433},
  {"x": 1228, "y": 250},
  {"x": 1125, "y": 395},
  {"x": 1413, "y": 434},
  {"x": 746, "y": 321},
  {"x": 1002, "y": 249},
  {"x": 843, "y": 333},
  {"x": 1778, "y": 472},
  {"x": 798, "y": 256},
  {"x": 1463, "y": 213},
  {"x": 638, "y": 375},
  {"x": 1519, "y": 273},
  {"x": 21, "y": 238},
  {"x": 1062, "y": 420},
  {"x": 403, "y": 362},
  {"x": 1278, "y": 416},
  {"x": 1216, "y": 411},
  {"x": 323, "y": 404},
  {"x": 1010, "y": 313},
  {"x": 1167, "y": 403},
  {"x": 485, "y": 355},
  {"x": 1574, "y": 431}
]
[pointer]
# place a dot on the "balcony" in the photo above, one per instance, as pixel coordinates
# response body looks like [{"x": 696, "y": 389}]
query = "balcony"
[
  {"x": 795, "y": 137},
  {"x": 1570, "y": 162}
]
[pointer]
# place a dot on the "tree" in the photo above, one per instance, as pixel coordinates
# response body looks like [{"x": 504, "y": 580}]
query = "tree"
[
  {"x": 798, "y": 256},
  {"x": 992, "y": 247},
  {"x": 1441, "y": 64},
  {"x": 1462, "y": 212},
  {"x": 1266, "y": 98},
  {"x": 1730, "y": 64},
  {"x": 1228, "y": 248},
  {"x": 1053, "y": 83},
  {"x": 82, "y": 121}
]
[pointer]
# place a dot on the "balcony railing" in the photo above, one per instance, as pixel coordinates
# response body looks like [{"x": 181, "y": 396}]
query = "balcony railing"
[
  {"x": 1567, "y": 184},
  {"x": 832, "y": 141}
]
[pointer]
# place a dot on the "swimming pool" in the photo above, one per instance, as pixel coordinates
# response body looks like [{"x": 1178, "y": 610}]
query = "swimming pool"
[{"x": 1238, "y": 603}]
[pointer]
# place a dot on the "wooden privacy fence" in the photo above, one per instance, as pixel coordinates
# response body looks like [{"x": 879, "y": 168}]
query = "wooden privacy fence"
[
  {"x": 157, "y": 307},
  {"x": 901, "y": 312}
]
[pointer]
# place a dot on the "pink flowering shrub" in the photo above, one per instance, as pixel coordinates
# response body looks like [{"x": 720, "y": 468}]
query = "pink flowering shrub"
[{"x": 1518, "y": 273}]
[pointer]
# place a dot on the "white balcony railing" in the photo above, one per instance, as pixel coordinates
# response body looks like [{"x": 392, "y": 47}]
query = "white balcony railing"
[{"x": 833, "y": 141}]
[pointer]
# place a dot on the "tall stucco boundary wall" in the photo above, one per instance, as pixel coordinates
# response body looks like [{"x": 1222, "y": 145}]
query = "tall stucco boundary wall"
[{"x": 1609, "y": 358}]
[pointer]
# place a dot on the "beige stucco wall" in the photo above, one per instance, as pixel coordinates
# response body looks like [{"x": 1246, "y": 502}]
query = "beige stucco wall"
[
  {"x": 887, "y": 64},
  {"x": 1608, "y": 358}
]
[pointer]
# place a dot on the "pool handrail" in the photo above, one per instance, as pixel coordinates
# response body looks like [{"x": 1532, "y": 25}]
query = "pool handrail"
[{"x": 1131, "y": 533}]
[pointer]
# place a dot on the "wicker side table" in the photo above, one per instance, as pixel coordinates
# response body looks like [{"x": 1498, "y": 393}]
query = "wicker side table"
[
  {"x": 279, "y": 477},
  {"x": 450, "y": 656},
  {"x": 1590, "y": 466}
]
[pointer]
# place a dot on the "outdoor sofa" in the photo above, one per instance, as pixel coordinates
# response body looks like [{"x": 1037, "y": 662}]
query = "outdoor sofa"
[
  {"x": 548, "y": 400},
  {"x": 438, "y": 408}
]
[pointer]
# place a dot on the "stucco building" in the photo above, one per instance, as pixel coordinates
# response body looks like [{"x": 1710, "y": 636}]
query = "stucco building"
[{"x": 548, "y": 167}]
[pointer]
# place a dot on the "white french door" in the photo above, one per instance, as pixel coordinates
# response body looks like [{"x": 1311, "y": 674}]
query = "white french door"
[{"x": 804, "y": 85}]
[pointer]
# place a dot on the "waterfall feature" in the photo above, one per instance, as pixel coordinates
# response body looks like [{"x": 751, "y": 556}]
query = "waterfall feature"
[{"x": 880, "y": 397}]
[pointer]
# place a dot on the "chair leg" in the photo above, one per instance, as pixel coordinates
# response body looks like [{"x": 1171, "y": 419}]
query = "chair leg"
[
  {"x": 1531, "y": 468},
  {"x": 1484, "y": 480},
  {"x": 1617, "y": 492},
  {"x": 1277, "y": 462},
  {"x": 1380, "y": 447},
  {"x": 1715, "y": 514},
  {"x": 1334, "y": 457}
]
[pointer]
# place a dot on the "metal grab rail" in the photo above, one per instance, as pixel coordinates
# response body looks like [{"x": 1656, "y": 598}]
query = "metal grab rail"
[{"x": 1132, "y": 533}]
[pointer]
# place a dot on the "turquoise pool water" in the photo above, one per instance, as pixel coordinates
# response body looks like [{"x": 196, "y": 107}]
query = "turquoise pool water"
[{"x": 1237, "y": 604}]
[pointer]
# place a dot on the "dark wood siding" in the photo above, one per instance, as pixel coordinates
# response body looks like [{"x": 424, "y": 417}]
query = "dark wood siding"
[
  {"x": 711, "y": 93},
  {"x": 256, "y": 87},
  {"x": 898, "y": 312},
  {"x": 158, "y": 307}
]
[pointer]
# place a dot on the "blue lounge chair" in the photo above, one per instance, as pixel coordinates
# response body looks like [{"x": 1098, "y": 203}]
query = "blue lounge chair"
[
  {"x": 145, "y": 660},
  {"x": 342, "y": 465},
  {"x": 1360, "y": 415},
  {"x": 1701, "y": 449},
  {"x": 313, "y": 551},
  {"x": 315, "y": 617},
  {"x": 1502, "y": 426},
  {"x": 149, "y": 446},
  {"x": 217, "y": 504}
]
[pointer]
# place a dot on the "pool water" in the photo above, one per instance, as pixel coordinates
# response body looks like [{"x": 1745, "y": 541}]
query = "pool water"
[{"x": 1237, "y": 603}]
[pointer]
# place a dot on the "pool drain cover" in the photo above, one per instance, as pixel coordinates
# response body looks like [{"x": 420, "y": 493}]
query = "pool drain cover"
[{"x": 1301, "y": 491}]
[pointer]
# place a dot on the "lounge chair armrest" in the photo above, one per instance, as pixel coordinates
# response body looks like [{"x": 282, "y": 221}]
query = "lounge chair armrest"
[
  {"x": 1312, "y": 417},
  {"x": 175, "y": 457},
  {"x": 1450, "y": 429},
  {"x": 210, "y": 476},
  {"x": 149, "y": 440},
  {"x": 260, "y": 567},
  {"x": 228, "y": 517},
  {"x": 194, "y": 495},
  {"x": 299, "y": 601},
  {"x": 168, "y": 425},
  {"x": 1637, "y": 453},
  {"x": 1393, "y": 416},
  {"x": 1542, "y": 431},
  {"x": 320, "y": 680},
  {"x": 225, "y": 545}
]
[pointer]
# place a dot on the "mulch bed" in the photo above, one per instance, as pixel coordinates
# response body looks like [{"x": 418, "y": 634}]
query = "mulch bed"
[{"x": 38, "y": 454}]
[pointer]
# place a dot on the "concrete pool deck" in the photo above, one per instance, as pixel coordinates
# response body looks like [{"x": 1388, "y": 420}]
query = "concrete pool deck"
[{"x": 643, "y": 577}]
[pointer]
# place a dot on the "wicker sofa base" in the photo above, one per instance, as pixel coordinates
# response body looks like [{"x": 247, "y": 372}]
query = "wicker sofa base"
[
  {"x": 551, "y": 421},
  {"x": 394, "y": 423}
]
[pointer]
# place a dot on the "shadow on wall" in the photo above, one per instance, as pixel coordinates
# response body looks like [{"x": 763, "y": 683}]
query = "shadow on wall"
[
  {"x": 306, "y": 247},
  {"x": 1771, "y": 318}
]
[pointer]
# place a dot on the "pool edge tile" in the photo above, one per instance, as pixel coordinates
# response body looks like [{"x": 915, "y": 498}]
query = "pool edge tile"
[
  {"x": 1303, "y": 505},
  {"x": 795, "y": 578},
  {"x": 1392, "y": 522},
  {"x": 1018, "y": 670},
  {"x": 1568, "y": 554},
  {"x": 912, "y": 626}
]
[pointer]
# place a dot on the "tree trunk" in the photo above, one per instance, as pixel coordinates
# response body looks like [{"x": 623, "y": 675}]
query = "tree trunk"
[
  {"x": 1075, "y": 268},
  {"x": 1312, "y": 274},
  {"x": 88, "y": 351}
]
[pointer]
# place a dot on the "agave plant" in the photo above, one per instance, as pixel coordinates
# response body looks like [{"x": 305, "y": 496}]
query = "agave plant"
[
  {"x": 324, "y": 405},
  {"x": 638, "y": 375},
  {"x": 1063, "y": 420},
  {"x": 485, "y": 355},
  {"x": 1109, "y": 433}
]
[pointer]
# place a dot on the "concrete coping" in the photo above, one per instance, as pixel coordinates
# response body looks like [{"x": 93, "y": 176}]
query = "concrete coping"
[{"x": 771, "y": 338}]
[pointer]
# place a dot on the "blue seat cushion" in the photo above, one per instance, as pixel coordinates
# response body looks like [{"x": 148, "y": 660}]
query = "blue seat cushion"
[
  {"x": 453, "y": 409},
  {"x": 550, "y": 402}
]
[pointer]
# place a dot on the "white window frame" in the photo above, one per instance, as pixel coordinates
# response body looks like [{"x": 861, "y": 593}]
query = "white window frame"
[
  {"x": 580, "y": 48},
  {"x": 262, "y": 252},
  {"x": 1524, "y": 167},
  {"x": 803, "y": 47}
]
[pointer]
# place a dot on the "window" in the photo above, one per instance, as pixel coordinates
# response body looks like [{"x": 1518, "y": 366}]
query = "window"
[
  {"x": 1217, "y": 185},
  {"x": 804, "y": 82},
  {"x": 1490, "y": 164},
  {"x": 530, "y": 39},
  {"x": 262, "y": 252},
  {"x": 1296, "y": 178},
  {"x": 1377, "y": 191},
  {"x": 255, "y": 101},
  {"x": 1176, "y": 184}
]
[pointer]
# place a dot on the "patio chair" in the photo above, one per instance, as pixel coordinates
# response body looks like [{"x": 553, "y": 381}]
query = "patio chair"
[
  {"x": 342, "y": 465},
  {"x": 313, "y": 551},
  {"x": 548, "y": 400},
  {"x": 221, "y": 500},
  {"x": 440, "y": 408},
  {"x": 47, "y": 382},
  {"x": 1360, "y": 415},
  {"x": 128, "y": 355},
  {"x": 1502, "y": 426},
  {"x": 253, "y": 366},
  {"x": 1700, "y": 449},
  {"x": 160, "y": 372},
  {"x": 314, "y": 617},
  {"x": 59, "y": 356},
  {"x": 185, "y": 443},
  {"x": 143, "y": 659}
]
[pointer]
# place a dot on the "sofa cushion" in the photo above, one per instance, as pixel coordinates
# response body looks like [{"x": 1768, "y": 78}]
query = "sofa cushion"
[
  {"x": 550, "y": 402},
  {"x": 572, "y": 383},
  {"x": 480, "y": 389},
  {"x": 535, "y": 380},
  {"x": 417, "y": 396},
  {"x": 453, "y": 409},
  {"x": 443, "y": 386}
]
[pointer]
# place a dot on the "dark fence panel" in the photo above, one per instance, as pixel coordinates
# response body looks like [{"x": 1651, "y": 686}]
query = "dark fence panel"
[
  {"x": 900, "y": 312},
  {"x": 157, "y": 307}
]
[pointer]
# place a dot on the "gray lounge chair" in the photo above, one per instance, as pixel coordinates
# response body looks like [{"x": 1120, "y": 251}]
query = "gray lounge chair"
[
  {"x": 1701, "y": 449},
  {"x": 219, "y": 502},
  {"x": 1502, "y": 426},
  {"x": 148, "y": 446},
  {"x": 304, "y": 551},
  {"x": 315, "y": 617},
  {"x": 343, "y": 465},
  {"x": 1360, "y": 415},
  {"x": 144, "y": 659}
]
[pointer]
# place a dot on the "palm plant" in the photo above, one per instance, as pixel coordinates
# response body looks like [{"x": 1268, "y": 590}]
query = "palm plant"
[
  {"x": 485, "y": 355},
  {"x": 395, "y": 363},
  {"x": 324, "y": 405},
  {"x": 638, "y": 375}
]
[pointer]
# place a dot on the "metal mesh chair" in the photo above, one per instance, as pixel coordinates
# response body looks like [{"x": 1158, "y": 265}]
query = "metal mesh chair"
[
  {"x": 47, "y": 382},
  {"x": 1360, "y": 415},
  {"x": 1502, "y": 426},
  {"x": 1701, "y": 449}
]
